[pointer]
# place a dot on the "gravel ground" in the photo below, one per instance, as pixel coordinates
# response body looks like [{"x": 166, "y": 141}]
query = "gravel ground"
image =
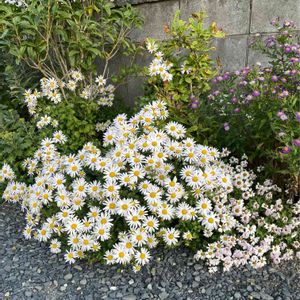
[{"x": 28, "y": 270}]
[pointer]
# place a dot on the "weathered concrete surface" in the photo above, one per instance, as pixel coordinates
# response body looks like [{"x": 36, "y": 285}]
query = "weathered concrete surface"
[
  {"x": 264, "y": 11},
  {"x": 135, "y": 2},
  {"x": 231, "y": 15},
  {"x": 231, "y": 51},
  {"x": 156, "y": 15}
]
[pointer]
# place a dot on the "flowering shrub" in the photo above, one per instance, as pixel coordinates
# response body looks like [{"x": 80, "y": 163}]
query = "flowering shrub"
[
  {"x": 74, "y": 108},
  {"x": 80, "y": 110},
  {"x": 48, "y": 39},
  {"x": 259, "y": 107},
  {"x": 152, "y": 185},
  {"x": 254, "y": 110},
  {"x": 182, "y": 67}
]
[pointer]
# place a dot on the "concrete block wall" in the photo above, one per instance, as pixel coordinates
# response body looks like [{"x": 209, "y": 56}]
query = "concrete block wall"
[{"x": 239, "y": 19}]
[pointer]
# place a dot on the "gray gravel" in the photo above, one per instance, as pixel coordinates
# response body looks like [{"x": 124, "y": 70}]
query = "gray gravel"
[{"x": 29, "y": 271}]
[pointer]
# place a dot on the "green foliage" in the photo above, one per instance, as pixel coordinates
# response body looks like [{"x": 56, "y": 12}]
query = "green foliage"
[
  {"x": 54, "y": 37},
  {"x": 17, "y": 139},
  {"x": 187, "y": 50},
  {"x": 77, "y": 119}
]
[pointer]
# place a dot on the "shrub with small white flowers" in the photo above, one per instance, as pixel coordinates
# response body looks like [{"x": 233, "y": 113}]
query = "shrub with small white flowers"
[
  {"x": 48, "y": 39},
  {"x": 152, "y": 184},
  {"x": 74, "y": 106},
  {"x": 54, "y": 92}
]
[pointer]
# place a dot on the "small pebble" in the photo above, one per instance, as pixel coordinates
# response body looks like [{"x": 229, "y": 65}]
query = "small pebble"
[{"x": 68, "y": 276}]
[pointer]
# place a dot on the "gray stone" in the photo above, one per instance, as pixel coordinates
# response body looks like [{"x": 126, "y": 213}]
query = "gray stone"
[
  {"x": 255, "y": 56},
  {"x": 255, "y": 295},
  {"x": 7, "y": 268},
  {"x": 264, "y": 11},
  {"x": 129, "y": 297},
  {"x": 231, "y": 52},
  {"x": 163, "y": 295},
  {"x": 63, "y": 288},
  {"x": 156, "y": 16},
  {"x": 83, "y": 281},
  {"x": 265, "y": 296},
  {"x": 78, "y": 268},
  {"x": 231, "y": 15},
  {"x": 249, "y": 288},
  {"x": 28, "y": 294},
  {"x": 68, "y": 276}
]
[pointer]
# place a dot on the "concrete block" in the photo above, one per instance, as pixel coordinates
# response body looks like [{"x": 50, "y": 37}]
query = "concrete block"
[
  {"x": 255, "y": 56},
  {"x": 231, "y": 51},
  {"x": 134, "y": 2},
  {"x": 156, "y": 16},
  {"x": 131, "y": 90},
  {"x": 231, "y": 15},
  {"x": 264, "y": 11},
  {"x": 135, "y": 89}
]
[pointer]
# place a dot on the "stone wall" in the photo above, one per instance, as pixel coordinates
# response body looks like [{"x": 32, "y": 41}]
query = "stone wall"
[{"x": 239, "y": 19}]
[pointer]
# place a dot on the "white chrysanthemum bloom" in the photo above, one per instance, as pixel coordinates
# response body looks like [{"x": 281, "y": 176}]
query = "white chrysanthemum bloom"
[
  {"x": 76, "y": 75},
  {"x": 171, "y": 236},
  {"x": 55, "y": 246},
  {"x": 187, "y": 236},
  {"x": 70, "y": 256},
  {"x": 142, "y": 256},
  {"x": 210, "y": 221},
  {"x": 151, "y": 46},
  {"x": 121, "y": 254}
]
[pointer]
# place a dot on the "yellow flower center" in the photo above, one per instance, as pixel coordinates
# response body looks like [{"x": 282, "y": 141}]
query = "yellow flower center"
[
  {"x": 74, "y": 226},
  {"x": 210, "y": 220},
  {"x": 153, "y": 195}
]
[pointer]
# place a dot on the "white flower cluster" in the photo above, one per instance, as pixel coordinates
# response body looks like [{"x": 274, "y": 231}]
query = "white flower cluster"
[
  {"x": 51, "y": 90},
  {"x": 14, "y": 2},
  {"x": 158, "y": 66},
  {"x": 6, "y": 173},
  {"x": 261, "y": 216},
  {"x": 102, "y": 126},
  {"x": 45, "y": 121},
  {"x": 152, "y": 185}
]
